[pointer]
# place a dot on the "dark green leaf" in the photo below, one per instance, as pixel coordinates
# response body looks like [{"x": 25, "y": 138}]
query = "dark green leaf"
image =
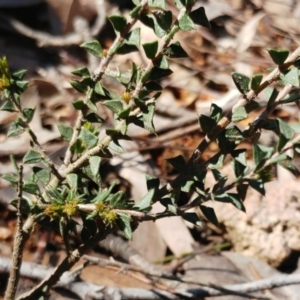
[
  {"x": 152, "y": 182},
  {"x": 193, "y": 218},
  {"x": 78, "y": 104},
  {"x": 80, "y": 86},
  {"x": 82, "y": 72},
  {"x": 105, "y": 153},
  {"x": 95, "y": 162},
  {"x": 16, "y": 128},
  {"x": 168, "y": 203},
  {"x": 157, "y": 73},
  {"x": 233, "y": 134},
  {"x": 239, "y": 114},
  {"x": 88, "y": 172},
  {"x": 186, "y": 23},
  {"x": 282, "y": 141},
  {"x": 199, "y": 17},
  {"x": 11, "y": 178},
  {"x": 278, "y": 55},
  {"x": 99, "y": 89},
  {"x": 289, "y": 165},
  {"x": 31, "y": 188},
  {"x": 42, "y": 174},
  {"x": 19, "y": 75},
  {"x": 258, "y": 185},
  {"x": 133, "y": 37},
  {"x": 161, "y": 63},
  {"x": 216, "y": 162},
  {"x": 239, "y": 169},
  {"x": 175, "y": 51},
  {"x": 22, "y": 84},
  {"x": 241, "y": 81},
  {"x": 65, "y": 131},
  {"x": 118, "y": 22},
  {"x": 152, "y": 86},
  {"x": 272, "y": 95},
  {"x": 32, "y": 157},
  {"x": 150, "y": 49},
  {"x": 115, "y": 106},
  {"x": 215, "y": 112},
  {"x": 157, "y": 4},
  {"x": 146, "y": 202},
  {"x": 115, "y": 146},
  {"x": 256, "y": 81},
  {"x": 261, "y": 153},
  {"x": 285, "y": 129},
  {"x": 94, "y": 118},
  {"x": 280, "y": 158},
  {"x": 206, "y": 123},
  {"x": 164, "y": 19},
  {"x": 220, "y": 184},
  {"x": 148, "y": 119},
  {"x": 291, "y": 77},
  {"x": 72, "y": 180},
  {"x": 210, "y": 215},
  {"x": 150, "y": 20},
  {"x": 89, "y": 139},
  {"x": 92, "y": 106},
  {"x": 231, "y": 198},
  {"x": 28, "y": 113},
  {"x": 251, "y": 106},
  {"x": 125, "y": 49},
  {"x": 93, "y": 47},
  {"x": 116, "y": 200},
  {"x": 134, "y": 13},
  {"x": 240, "y": 156},
  {"x": 8, "y": 106},
  {"x": 242, "y": 191},
  {"x": 123, "y": 222},
  {"x": 178, "y": 162},
  {"x": 217, "y": 174}
]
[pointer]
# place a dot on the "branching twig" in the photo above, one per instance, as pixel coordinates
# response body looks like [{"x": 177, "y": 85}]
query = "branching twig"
[{"x": 193, "y": 163}]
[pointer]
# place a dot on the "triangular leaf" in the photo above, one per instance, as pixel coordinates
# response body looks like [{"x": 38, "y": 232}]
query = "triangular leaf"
[
  {"x": 118, "y": 22},
  {"x": 278, "y": 55},
  {"x": 241, "y": 81},
  {"x": 210, "y": 215},
  {"x": 150, "y": 49},
  {"x": 89, "y": 139},
  {"x": 256, "y": 81},
  {"x": 193, "y": 218},
  {"x": 95, "y": 162},
  {"x": 186, "y": 23},
  {"x": 65, "y": 131},
  {"x": 175, "y": 51},
  {"x": 123, "y": 222},
  {"x": 146, "y": 201},
  {"x": 177, "y": 162},
  {"x": 93, "y": 47},
  {"x": 32, "y": 157},
  {"x": 199, "y": 17}
]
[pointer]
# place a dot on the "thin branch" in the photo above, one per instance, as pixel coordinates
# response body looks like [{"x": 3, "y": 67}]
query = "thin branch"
[
  {"x": 65, "y": 265},
  {"x": 18, "y": 245}
]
